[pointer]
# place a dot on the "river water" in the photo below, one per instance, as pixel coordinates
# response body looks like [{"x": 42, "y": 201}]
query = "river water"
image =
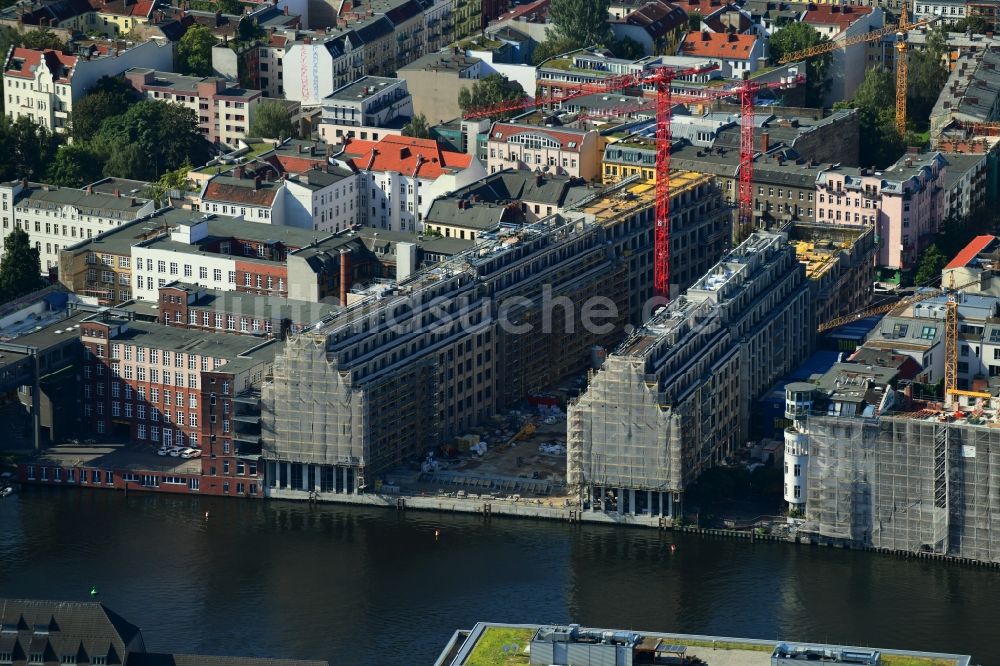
[{"x": 363, "y": 586}]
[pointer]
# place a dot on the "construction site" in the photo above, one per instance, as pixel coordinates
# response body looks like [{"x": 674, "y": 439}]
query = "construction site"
[{"x": 920, "y": 482}]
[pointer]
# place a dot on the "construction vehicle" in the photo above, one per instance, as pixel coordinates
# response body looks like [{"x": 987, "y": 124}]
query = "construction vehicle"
[
  {"x": 900, "y": 31},
  {"x": 661, "y": 79}
]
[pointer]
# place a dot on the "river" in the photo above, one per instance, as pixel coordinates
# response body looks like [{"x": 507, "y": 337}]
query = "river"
[{"x": 363, "y": 586}]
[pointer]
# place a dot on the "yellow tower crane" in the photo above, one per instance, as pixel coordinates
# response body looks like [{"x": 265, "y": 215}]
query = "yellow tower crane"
[{"x": 901, "y": 46}]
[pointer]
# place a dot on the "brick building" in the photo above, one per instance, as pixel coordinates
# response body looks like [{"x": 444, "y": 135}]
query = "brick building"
[{"x": 168, "y": 386}]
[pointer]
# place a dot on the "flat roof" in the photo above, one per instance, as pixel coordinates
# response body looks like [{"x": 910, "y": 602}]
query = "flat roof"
[
  {"x": 188, "y": 84},
  {"x": 362, "y": 89},
  {"x": 39, "y": 195},
  {"x": 267, "y": 307}
]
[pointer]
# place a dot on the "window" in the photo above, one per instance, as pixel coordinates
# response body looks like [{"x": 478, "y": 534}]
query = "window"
[
  {"x": 202, "y": 273},
  {"x": 928, "y": 332}
]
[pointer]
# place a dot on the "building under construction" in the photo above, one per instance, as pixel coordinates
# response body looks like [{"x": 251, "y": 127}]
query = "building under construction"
[
  {"x": 674, "y": 398},
  {"x": 914, "y": 482}
]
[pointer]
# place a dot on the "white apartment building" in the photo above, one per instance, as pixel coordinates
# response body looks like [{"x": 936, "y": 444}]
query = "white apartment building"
[
  {"x": 323, "y": 199},
  {"x": 57, "y": 217},
  {"x": 372, "y": 106},
  {"x": 322, "y": 65},
  {"x": 43, "y": 85},
  {"x": 948, "y": 11},
  {"x": 247, "y": 195},
  {"x": 401, "y": 176}
]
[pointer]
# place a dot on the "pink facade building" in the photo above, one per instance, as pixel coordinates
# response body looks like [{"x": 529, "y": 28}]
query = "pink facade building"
[
  {"x": 560, "y": 151},
  {"x": 904, "y": 204}
]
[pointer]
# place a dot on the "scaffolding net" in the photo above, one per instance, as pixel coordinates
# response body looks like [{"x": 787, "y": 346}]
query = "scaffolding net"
[{"x": 917, "y": 485}]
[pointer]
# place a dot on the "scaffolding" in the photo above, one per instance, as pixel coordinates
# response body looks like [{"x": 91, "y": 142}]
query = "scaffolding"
[{"x": 905, "y": 484}]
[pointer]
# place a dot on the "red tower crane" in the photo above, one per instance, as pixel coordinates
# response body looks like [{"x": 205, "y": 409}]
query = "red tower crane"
[{"x": 660, "y": 79}]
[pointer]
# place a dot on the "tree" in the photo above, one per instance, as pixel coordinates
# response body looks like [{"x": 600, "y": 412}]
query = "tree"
[
  {"x": 231, "y": 7},
  {"x": 20, "y": 267},
  {"x": 42, "y": 39},
  {"x": 271, "y": 121},
  {"x": 694, "y": 21},
  {"x": 417, "y": 127},
  {"x": 33, "y": 147},
  {"x": 930, "y": 265},
  {"x": 875, "y": 100},
  {"x": 149, "y": 139},
  {"x": 172, "y": 180},
  {"x": 796, "y": 37},
  {"x": 552, "y": 46},
  {"x": 194, "y": 51},
  {"x": 927, "y": 77},
  {"x": 75, "y": 165},
  {"x": 110, "y": 96},
  {"x": 487, "y": 91},
  {"x": 627, "y": 48},
  {"x": 977, "y": 25},
  {"x": 580, "y": 22}
]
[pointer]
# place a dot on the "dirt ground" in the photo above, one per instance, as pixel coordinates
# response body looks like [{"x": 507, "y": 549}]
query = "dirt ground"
[{"x": 521, "y": 458}]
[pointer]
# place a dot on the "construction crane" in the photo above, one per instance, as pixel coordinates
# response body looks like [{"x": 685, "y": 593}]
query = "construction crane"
[
  {"x": 889, "y": 307},
  {"x": 661, "y": 79},
  {"x": 901, "y": 47}
]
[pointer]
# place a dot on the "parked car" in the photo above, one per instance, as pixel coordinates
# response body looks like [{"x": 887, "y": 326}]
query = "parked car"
[
  {"x": 163, "y": 451},
  {"x": 188, "y": 452},
  {"x": 175, "y": 451}
]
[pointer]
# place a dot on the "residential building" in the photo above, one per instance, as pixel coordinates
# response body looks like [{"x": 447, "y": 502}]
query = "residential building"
[
  {"x": 232, "y": 255},
  {"x": 408, "y": 26},
  {"x": 392, "y": 383},
  {"x": 170, "y": 386},
  {"x": 735, "y": 54},
  {"x": 434, "y": 82},
  {"x": 840, "y": 266},
  {"x": 251, "y": 192},
  {"x": 560, "y": 150},
  {"x": 674, "y": 398},
  {"x": 192, "y": 306},
  {"x": 326, "y": 197},
  {"x": 43, "y": 85},
  {"x": 657, "y": 25},
  {"x": 42, "y": 631},
  {"x": 972, "y": 92},
  {"x": 224, "y": 113},
  {"x": 966, "y": 183},
  {"x": 530, "y": 19},
  {"x": 371, "y": 107},
  {"x": 839, "y": 23},
  {"x": 379, "y": 47},
  {"x": 904, "y": 203},
  {"x": 973, "y": 268},
  {"x": 401, "y": 176},
  {"x": 324, "y": 64},
  {"x": 946, "y": 11},
  {"x": 57, "y": 217}
]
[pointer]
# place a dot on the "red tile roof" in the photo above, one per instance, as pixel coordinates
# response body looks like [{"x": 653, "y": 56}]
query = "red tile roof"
[
  {"x": 297, "y": 164},
  {"x": 970, "y": 251},
  {"x": 718, "y": 45},
  {"x": 540, "y": 7},
  {"x": 57, "y": 62},
  {"x": 842, "y": 17},
  {"x": 405, "y": 155},
  {"x": 121, "y": 8},
  {"x": 503, "y": 131}
]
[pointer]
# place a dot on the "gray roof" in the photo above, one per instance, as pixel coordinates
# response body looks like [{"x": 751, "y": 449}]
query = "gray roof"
[
  {"x": 441, "y": 62},
  {"x": 239, "y": 351},
  {"x": 521, "y": 185},
  {"x": 373, "y": 29},
  {"x": 187, "y": 84},
  {"x": 972, "y": 88},
  {"x": 359, "y": 90},
  {"x": 124, "y": 186},
  {"x": 481, "y": 216},
  {"x": 959, "y": 164},
  {"x": 317, "y": 179},
  {"x": 64, "y": 628},
  {"x": 103, "y": 205},
  {"x": 264, "y": 307}
]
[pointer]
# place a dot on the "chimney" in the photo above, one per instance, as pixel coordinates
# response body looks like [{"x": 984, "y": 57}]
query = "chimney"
[
  {"x": 238, "y": 171},
  {"x": 345, "y": 275},
  {"x": 131, "y": 201},
  {"x": 765, "y": 141},
  {"x": 218, "y": 17},
  {"x": 286, "y": 10},
  {"x": 90, "y": 189},
  {"x": 538, "y": 178},
  {"x": 118, "y": 194},
  {"x": 257, "y": 181}
]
